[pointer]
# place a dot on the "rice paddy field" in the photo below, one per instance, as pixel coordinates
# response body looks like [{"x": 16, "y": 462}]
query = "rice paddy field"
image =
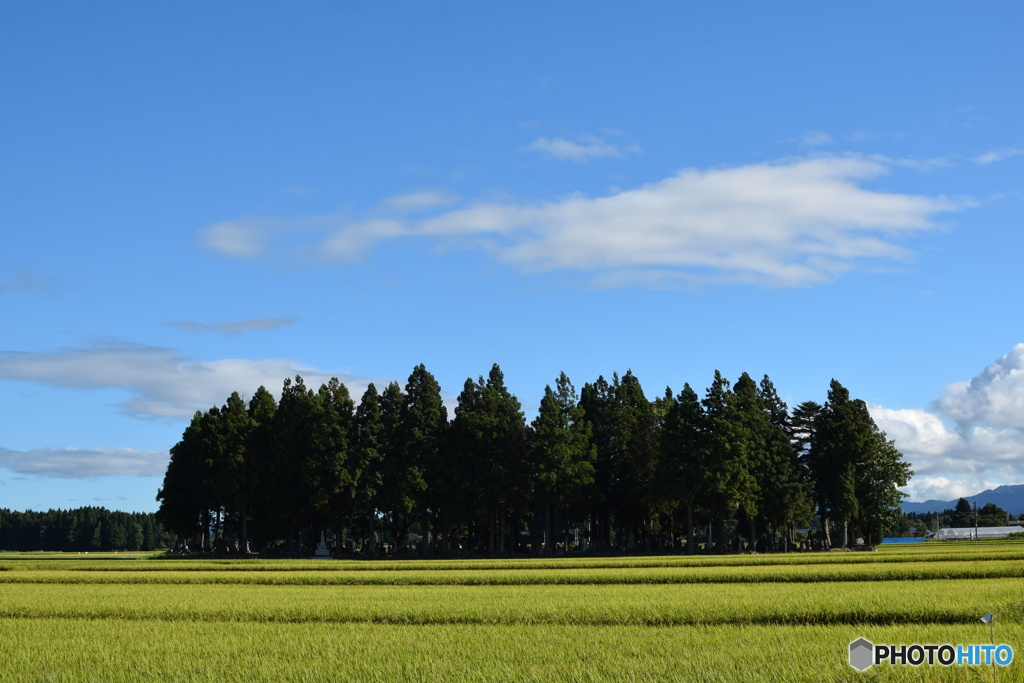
[{"x": 707, "y": 618}]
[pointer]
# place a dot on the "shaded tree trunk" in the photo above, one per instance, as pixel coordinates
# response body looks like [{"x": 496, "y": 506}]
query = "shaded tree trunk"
[
  {"x": 371, "y": 537},
  {"x": 691, "y": 546}
]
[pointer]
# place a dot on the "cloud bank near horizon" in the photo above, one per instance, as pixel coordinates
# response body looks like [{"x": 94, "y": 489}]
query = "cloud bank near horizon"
[
  {"x": 81, "y": 463},
  {"x": 160, "y": 382}
]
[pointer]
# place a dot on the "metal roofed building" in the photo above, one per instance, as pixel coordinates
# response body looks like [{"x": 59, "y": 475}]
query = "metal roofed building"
[{"x": 971, "y": 533}]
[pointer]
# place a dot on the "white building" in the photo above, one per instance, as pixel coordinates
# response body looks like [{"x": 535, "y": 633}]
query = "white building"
[{"x": 971, "y": 534}]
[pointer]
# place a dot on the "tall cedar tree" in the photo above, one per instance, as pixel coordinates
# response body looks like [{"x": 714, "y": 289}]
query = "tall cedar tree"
[
  {"x": 230, "y": 473},
  {"x": 295, "y": 443},
  {"x": 328, "y": 475},
  {"x": 753, "y": 426},
  {"x": 841, "y": 444},
  {"x": 489, "y": 433},
  {"x": 731, "y": 486},
  {"x": 423, "y": 425},
  {"x": 682, "y": 469},
  {"x": 878, "y": 480},
  {"x": 365, "y": 465},
  {"x": 600, "y": 409},
  {"x": 181, "y": 503},
  {"x": 562, "y": 455},
  {"x": 262, "y": 485},
  {"x": 801, "y": 432},
  {"x": 786, "y": 490},
  {"x": 402, "y": 481},
  {"x": 636, "y": 461}
]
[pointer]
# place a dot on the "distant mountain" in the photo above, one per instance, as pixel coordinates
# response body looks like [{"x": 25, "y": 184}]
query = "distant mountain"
[{"x": 1010, "y": 498}]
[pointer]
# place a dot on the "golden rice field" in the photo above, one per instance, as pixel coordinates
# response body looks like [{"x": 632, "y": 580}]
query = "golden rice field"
[{"x": 731, "y": 618}]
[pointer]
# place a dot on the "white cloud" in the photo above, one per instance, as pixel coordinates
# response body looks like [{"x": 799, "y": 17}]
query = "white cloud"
[
  {"x": 941, "y": 488},
  {"x": 925, "y": 431},
  {"x": 788, "y": 224},
  {"x": 923, "y": 165},
  {"x": 329, "y": 238},
  {"x": 998, "y": 155},
  {"x": 160, "y": 382},
  {"x": 353, "y": 242},
  {"x": 244, "y": 238},
  {"x": 75, "y": 463},
  {"x": 815, "y": 138},
  {"x": 974, "y": 437},
  {"x": 994, "y": 398},
  {"x": 793, "y": 223},
  {"x": 234, "y": 327},
  {"x": 419, "y": 201},
  {"x": 589, "y": 147}
]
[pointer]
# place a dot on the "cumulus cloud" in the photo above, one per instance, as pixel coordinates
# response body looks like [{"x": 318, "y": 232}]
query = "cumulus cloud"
[
  {"x": 793, "y": 223},
  {"x": 998, "y": 155},
  {"x": 76, "y": 463},
  {"x": 235, "y": 327},
  {"x": 942, "y": 488},
  {"x": 589, "y": 147},
  {"x": 972, "y": 439},
  {"x": 992, "y": 399},
  {"x": 159, "y": 381}
]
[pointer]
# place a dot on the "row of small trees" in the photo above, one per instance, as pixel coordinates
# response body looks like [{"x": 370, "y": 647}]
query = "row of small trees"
[
  {"x": 82, "y": 529},
  {"x": 629, "y": 472}
]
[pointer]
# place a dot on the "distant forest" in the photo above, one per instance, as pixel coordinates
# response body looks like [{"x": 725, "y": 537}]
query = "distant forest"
[
  {"x": 83, "y": 530},
  {"x": 962, "y": 515},
  {"x": 604, "y": 470}
]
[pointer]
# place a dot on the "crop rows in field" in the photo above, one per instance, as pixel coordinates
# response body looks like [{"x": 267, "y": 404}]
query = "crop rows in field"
[
  {"x": 932, "y": 552},
  {"x": 640, "y": 618},
  {"x": 317, "y": 576},
  {"x": 880, "y": 602}
]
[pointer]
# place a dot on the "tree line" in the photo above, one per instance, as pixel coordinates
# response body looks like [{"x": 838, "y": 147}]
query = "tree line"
[
  {"x": 604, "y": 469},
  {"x": 962, "y": 515},
  {"x": 83, "y": 530}
]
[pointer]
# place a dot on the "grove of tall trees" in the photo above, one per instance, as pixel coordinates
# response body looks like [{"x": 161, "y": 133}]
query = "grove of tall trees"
[{"x": 603, "y": 469}]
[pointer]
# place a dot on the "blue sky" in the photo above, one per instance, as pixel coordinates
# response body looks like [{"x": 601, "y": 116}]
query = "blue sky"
[{"x": 199, "y": 199}]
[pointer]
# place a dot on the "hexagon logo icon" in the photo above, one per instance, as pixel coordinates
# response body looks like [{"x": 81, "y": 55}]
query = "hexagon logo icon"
[{"x": 862, "y": 654}]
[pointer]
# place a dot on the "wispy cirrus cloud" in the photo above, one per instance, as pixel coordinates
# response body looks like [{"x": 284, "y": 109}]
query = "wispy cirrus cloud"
[
  {"x": 80, "y": 463},
  {"x": 234, "y": 327},
  {"x": 791, "y": 223},
  {"x": 24, "y": 280},
  {"x": 998, "y": 155},
  {"x": 243, "y": 238},
  {"x": 971, "y": 439},
  {"x": 160, "y": 382},
  {"x": 812, "y": 139},
  {"x": 423, "y": 200},
  {"x": 585, "y": 148}
]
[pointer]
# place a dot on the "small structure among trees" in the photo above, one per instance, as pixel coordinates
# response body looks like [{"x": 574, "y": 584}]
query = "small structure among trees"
[{"x": 975, "y": 533}]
